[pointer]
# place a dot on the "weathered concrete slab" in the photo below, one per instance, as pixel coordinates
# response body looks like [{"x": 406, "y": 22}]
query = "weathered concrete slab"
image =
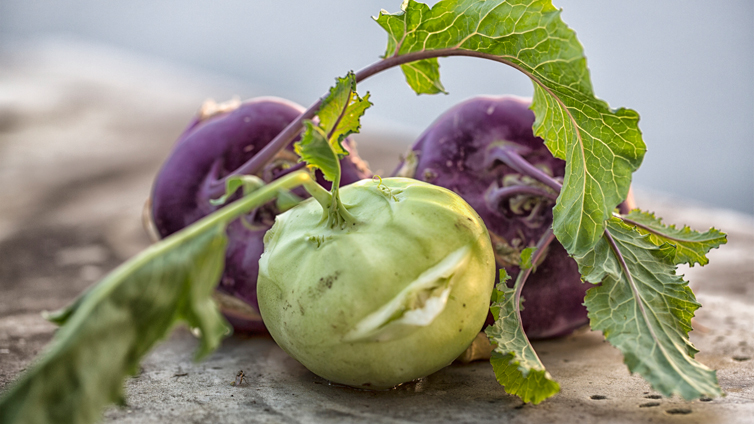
[
  {"x": 78, "y": 151},
  {"x": 596, "y": 386}
]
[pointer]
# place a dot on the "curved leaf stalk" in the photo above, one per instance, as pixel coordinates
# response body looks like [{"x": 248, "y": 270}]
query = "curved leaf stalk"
[
  {"x": 285, "y": 137},
  {"x": 515, "y": 363},
  {"x": 513, "y": 159}
]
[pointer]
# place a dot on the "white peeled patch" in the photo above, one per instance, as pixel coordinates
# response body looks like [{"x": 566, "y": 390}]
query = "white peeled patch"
[
  {"x": 430, "y": 291},
  {"x": 432, "y": 308}
]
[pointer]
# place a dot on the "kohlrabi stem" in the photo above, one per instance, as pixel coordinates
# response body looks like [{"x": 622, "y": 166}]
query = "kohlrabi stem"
[
  {"x": 322, "y": 196},
  {"x": 334, "y": 212},
  {"x": 511, "y": 158},
  {"x": 523, "y": 274},
  {"x": 255, "y": 164},
  {"x": 494, "y": 197}
]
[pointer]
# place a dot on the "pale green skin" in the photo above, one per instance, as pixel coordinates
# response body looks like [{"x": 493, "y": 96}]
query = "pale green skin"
[{"x": 311, "y": 297}]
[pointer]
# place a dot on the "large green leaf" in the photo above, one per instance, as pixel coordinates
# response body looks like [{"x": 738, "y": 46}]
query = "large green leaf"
[
  {"x": 602, "y": 147},
  {"x": 514, "y": 361},
  {"x": 116, "y": 324},
  {"x": 689, "y": 246},
  {"x": 644, "y": 309},
  {"x": 108, "y": 330}
]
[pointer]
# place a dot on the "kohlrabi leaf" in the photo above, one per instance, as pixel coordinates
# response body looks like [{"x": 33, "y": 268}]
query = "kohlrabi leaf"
[
  {"x": 108, "y": 330},
  {"x": 526, "y": 255},
  {"x": 61, "y": 316},
  {"x": 514, "y": 361},
  {"x": 602, "y": 147},
  {"x": 644, "y": 309},
  {"x": 423, "y": 76},
  {"x": 690, "y": 247},
  {"x": 317, "y": 152},
  {"x": 341, "y": 111},
  {"x": 339, "y": 116},
  {"x": 350, "y": 123},
  {"x": 234, "y": 182}
]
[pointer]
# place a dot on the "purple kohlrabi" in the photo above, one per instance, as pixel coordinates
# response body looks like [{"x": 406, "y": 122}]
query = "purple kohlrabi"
[
  {"x": 467, "y": 150},
  {"x": 219, "y": 140}
]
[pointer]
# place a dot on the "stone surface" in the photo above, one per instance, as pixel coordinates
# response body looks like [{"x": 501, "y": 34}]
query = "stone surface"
[{"x": 78, "y": 150}]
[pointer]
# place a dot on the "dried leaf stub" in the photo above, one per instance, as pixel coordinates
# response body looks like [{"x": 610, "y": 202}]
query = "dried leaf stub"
[{"x": 479, "y": 350}]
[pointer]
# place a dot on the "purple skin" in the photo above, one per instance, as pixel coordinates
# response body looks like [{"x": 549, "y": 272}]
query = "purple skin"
[
  {"x": 212, "y": 148},
  {"x": 464, "y": 150}
]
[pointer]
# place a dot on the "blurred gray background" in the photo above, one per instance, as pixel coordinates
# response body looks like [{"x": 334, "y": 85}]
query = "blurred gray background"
[{"x": 686, "y": 66}]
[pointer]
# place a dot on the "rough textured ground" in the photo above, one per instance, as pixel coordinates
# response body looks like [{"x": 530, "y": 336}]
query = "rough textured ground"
[{"x": 78, "y": 150}]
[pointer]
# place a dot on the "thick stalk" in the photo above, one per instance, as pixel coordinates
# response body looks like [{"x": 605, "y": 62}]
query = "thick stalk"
[
  {"x": 511, "y": 158},
  {"x": 494, "y": 197},
  {"x": 255, "y": 164},
  {"x": 523, "y": 274},
  {"x": 322, "y": 196}
]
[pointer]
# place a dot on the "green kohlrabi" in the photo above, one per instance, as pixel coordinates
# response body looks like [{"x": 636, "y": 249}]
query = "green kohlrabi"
[{"x": 396, "y": 295}]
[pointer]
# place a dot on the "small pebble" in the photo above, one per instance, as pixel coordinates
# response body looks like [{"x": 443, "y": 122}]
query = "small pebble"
[{"x": 679, "y": 411}]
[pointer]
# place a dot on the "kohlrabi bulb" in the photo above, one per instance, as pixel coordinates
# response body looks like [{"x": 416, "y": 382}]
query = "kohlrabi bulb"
[{"x": 394, "y": 296}]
